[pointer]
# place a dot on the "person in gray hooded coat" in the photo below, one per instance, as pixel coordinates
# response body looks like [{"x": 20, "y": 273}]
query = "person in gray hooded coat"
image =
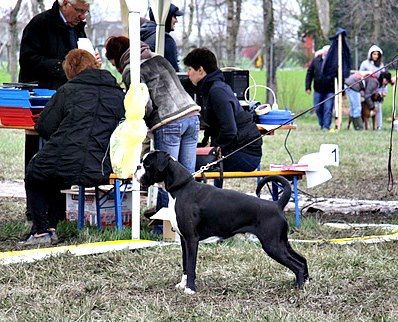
[{"x": 374, "y": 64}]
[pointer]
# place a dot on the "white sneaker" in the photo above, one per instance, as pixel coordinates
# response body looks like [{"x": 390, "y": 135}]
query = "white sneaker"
[{"x": 41, "y": 240}]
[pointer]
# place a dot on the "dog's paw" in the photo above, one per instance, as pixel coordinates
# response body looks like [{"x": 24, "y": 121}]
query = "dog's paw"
[
  {"x": 182, "y": 285},
  {"x": 188, "y": 291}
]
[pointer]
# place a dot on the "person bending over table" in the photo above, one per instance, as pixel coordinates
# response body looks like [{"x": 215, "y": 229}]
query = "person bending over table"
[
  {"x": 228, "y": 125},
  {"x": 77, "y": 124}
]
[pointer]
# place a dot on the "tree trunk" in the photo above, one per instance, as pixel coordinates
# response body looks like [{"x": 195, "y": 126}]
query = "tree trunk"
[
  {"x": 124, "y": 15},
  {"x": 234, "y": 8},
  {"x": 324, "y": 16},
  {"x": 37, "y": 6},
  {"x": 187, "y": 26},
  {"x": 376, "y": 21},
  {"x": 268, "y": 30},
  {"x": 14, "y": 42}
]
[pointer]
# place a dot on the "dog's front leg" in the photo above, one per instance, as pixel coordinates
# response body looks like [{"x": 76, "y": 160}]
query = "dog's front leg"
[
  {"x": 183, "y": 282},
  {"x": 191, "y": 246}
]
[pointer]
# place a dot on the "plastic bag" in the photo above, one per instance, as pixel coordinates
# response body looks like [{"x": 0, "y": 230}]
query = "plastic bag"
[{"x": 126, "y": 140}]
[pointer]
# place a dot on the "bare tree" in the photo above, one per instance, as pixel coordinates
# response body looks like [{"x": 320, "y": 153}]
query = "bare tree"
[
  {"x": 268, "y": 30},
  {"x": 37, "y": 6},
  {"x": 187, "y": 25},
  {"x": 14, "y": 42},
  {"x": 234, "y": 8},
  {"x": 324, "y": 16},
  {"x": 124, "y": 14}
]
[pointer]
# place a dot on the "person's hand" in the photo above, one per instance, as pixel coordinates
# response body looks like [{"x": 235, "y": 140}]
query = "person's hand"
[
  {"x": 98, "y": 59},
  {"x": 308, "y": 91}
]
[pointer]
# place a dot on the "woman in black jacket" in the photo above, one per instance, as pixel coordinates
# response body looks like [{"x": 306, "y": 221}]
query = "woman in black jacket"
[
  {"x": 227, "y": 124},
  {"x": 77, "y": 124}
]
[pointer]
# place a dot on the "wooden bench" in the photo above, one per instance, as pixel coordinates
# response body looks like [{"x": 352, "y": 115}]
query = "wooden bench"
[{"x": 290, "y": 175}]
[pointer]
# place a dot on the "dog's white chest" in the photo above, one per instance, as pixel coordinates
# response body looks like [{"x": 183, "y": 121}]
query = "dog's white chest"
[
  {"x": 168, "y": 213},
  {"x": 173, "y": 215}
]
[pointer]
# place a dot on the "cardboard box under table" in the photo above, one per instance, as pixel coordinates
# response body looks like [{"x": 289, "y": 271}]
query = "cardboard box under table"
[{"x": 99, "y": 206}]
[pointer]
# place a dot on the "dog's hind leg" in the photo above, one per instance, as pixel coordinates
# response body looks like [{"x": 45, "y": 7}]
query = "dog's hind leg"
[
  {"x": 299, "y": 258},
  {"x": 280, "y": 251}
]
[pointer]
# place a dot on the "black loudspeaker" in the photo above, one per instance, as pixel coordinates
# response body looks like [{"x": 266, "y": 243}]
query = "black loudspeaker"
[{"x": 239, "y": 82}]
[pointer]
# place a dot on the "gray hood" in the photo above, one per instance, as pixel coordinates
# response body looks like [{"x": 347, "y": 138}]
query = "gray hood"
[{"x": 372, "y": 49}]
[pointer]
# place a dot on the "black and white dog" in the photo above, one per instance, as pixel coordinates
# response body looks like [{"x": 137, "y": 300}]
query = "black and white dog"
[{"x": 203, "y": 210}]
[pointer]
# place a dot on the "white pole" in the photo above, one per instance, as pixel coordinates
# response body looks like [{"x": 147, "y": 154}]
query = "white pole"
[{"x": 135, "y": 44}]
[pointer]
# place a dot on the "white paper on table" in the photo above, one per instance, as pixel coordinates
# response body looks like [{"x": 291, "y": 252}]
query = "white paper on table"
[{"x": 85, "y": 43}]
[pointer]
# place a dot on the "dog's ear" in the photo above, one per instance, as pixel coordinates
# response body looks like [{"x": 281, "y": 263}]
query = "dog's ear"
[{"x": 163, "y": 160}]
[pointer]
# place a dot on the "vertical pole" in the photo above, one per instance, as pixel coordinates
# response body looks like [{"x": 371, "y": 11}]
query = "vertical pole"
[
  {"x": 80, "y": 207},
  {"x": 296, "y": 202},
  {"x": 135, "y": 209},
  {"x": 118, "y": 204},
  {"x": 339, "y": 108},
  {"x": 135, "y": 44}
]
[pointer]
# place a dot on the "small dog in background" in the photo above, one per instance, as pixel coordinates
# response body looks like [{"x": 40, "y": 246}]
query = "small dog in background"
[
  {"x": 202, "y": 211},
  {"x": 367, "y": 113}
]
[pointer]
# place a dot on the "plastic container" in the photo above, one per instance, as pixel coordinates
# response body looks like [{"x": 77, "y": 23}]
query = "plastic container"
[
  {"x": 276, "y": 117},
  {"x": 19, "y": 116}
]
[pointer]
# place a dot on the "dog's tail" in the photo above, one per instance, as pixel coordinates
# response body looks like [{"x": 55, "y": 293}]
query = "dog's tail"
[{"x": 282, "y": 183}]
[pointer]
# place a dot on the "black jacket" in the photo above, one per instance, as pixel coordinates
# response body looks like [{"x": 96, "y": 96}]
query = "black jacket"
[
  {"x": 77, "y": 124},
  {"x": 228, "y": 125},
  {"x": 44, "y": 45},
  {"x": 148, "y": 35},
  {"x": 315, "y": 74}
]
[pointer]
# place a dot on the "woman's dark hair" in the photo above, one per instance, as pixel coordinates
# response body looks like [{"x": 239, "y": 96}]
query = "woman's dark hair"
[
  {"x": 201, "y": 57},
  {"x": 377, "y": 62},
  {"x": 76, "y": 61},
  {"x": 115, "y": 47}
]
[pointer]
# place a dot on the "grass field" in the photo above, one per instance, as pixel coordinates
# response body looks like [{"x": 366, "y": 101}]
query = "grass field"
[{"x": 235, "y": 280}]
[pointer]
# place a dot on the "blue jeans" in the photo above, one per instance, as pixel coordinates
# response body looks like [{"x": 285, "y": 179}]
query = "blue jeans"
[
  {"x": 178, "y": 138},
  {"x": 354, "y": 99},
  {"x": 324, "y": 111}
]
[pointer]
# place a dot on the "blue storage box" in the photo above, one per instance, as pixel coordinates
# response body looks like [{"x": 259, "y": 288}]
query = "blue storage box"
[
  {"x": 14, "y": 97},
  {"x": 276, "y": 117}
]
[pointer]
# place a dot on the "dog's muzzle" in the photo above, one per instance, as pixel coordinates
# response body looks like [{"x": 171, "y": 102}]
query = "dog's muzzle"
[{"x": 139, "y": 172}]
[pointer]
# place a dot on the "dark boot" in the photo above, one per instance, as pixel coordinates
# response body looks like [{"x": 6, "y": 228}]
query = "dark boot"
[{"x": 358, "y": 124}]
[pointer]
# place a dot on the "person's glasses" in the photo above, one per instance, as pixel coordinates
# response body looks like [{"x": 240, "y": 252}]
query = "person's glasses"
[{"x": 80, "y": 11}]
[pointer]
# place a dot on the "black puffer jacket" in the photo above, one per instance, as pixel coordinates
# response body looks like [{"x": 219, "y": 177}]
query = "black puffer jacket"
[
  {"x": 77, "y": 124},
  {"x": 228, "y": 125},
  {"x": 44, "y": 45}
]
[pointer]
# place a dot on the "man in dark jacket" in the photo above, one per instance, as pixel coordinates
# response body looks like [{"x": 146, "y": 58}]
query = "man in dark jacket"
[
  {"x": 228, "y": 125},
  {"x": 148, "y": 35},
  {"x": 77, "y": 124},
  {"x": 323, "y": 89},
  {"x": 46, "y": 40}
]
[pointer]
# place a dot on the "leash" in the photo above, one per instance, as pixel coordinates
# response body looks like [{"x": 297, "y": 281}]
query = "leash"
[{"x": 223, "y": 157}]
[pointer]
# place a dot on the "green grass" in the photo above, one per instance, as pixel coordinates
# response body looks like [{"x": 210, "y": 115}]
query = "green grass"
[{"x": 4, "y": 76}]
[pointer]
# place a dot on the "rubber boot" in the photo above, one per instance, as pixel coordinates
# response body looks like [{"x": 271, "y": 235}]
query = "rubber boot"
[{"x": 358, "y": 124}]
